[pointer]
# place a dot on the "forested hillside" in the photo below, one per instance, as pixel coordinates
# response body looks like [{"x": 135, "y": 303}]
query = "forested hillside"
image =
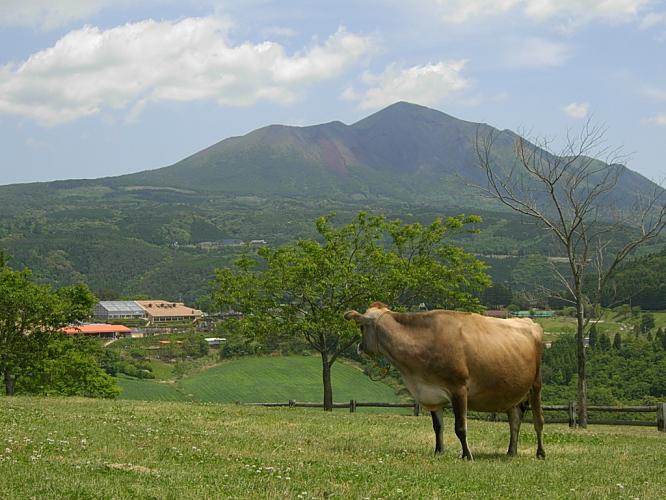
[
  {"x": 163, "y": 232},
  {"x": 640, "y": 282}
]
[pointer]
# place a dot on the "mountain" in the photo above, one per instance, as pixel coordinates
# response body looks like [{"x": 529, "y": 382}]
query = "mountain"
[
  {"x": 142, "y": 233},
  {"x": 404, "y": 151}
]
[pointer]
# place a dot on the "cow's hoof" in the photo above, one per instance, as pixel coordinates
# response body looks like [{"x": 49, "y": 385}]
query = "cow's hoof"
[{"x": 541, "y": 455}]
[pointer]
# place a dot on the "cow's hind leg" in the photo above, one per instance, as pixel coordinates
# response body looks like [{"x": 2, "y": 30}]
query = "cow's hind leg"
[
  {"x": 459, "y": 403},
  {"x": 537, "y": 415},
  {"x": 437, "y": 427},
  {"x": 515, "y": 415}
]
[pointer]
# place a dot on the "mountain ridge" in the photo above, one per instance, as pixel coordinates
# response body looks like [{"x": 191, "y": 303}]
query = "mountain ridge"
[{"x": 404, "y": 151}]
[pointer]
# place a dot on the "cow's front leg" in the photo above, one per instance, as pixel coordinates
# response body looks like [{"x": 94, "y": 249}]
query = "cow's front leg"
[
  {"x": 437, "y": 417},
  {"x": 459, "y": 403}
]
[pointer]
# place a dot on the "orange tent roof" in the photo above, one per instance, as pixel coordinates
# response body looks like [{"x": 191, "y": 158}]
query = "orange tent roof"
[{"x": 103, "y": 328}]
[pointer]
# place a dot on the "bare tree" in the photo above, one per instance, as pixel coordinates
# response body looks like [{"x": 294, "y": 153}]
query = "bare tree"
[{"x": 572, "y": 194}]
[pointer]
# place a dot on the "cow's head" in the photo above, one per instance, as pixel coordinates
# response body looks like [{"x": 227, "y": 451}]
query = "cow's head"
[{"x": 367, "y": 322}]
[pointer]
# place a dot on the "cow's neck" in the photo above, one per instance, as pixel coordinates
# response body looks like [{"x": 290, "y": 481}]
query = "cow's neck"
[{"x": 394, "y": 341}]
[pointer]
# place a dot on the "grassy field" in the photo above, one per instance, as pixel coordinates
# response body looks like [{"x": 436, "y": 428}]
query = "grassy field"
[
  {"x": 76, "y": 448},
  {"x": 609, "y": 324},
  {"x": 261, "y": 379}
]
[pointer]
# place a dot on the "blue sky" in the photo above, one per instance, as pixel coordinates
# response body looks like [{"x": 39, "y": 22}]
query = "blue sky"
[{"x": 95, "y": 88}]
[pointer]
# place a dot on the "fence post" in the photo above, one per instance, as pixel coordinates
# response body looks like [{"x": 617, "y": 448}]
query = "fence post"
[
  {"x": 661, "y": 417},
  {"x": 292, "y": 403},
  {"x": 417, "y": 409},
  {"x": 352, "y": 406},
  {"x": 572, "y": 414}
]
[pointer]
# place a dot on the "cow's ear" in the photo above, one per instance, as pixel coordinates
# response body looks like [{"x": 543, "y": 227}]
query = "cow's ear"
[{"x": 355, "y": 315}]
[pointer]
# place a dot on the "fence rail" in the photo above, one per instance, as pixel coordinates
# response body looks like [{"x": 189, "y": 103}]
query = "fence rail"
[{"x": 659, "y": 409}]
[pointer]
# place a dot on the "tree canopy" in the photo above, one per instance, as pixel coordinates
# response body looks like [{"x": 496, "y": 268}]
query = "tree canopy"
[
  {"x": 303, "y": 288},
  {"x": 29, "y": 313}
]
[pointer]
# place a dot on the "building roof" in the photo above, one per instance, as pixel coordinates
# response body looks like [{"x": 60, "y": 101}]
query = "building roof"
[
  {"x": 95, "y": 328},
  {"x": 163, "y": 308},
  {"x": 118, "y": 306}
]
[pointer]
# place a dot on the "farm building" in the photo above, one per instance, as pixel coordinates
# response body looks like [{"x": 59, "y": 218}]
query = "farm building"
[
  {"x": 161, "y": 310},
  {"x": 118, "y": 309},
  {"x": 102, "y": 331}
]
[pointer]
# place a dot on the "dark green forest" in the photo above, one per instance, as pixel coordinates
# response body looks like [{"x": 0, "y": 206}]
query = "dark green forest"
[
  {"x": 628, "y": 369},
  {"x": 128, "y": 243}
]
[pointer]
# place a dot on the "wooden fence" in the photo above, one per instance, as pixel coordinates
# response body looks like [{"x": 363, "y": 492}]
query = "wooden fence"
[{"x": 570, "y": 409}]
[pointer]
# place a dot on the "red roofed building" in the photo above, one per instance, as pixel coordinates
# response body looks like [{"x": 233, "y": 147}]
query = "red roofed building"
[
  {"x": 159, "y": 311},
  {"x": 102, "y": 331}
]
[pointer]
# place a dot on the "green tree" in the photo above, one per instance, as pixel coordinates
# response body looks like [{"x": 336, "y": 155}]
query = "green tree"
[
  {"x": 302, "y": 289},
  {"x": 661, "y": 336},
  {"x": 617, "y": 342},
  {"x": 560, "y": 360},
  {"x": 70, "y": 366},
  {"x": 604, "y": 343},
  {"x": 29, "y": 312},
  {"x": 593, "y": 336},
  {"x": 497, "y": 296},
  {"x": 647, "y": 322},
  {"x": 195, "y": 346}
]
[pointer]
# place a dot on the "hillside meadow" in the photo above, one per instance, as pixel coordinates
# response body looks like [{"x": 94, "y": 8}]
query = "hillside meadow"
[
  {"x": 257, "y": 379},
  {"x": 78, "y": 448}
]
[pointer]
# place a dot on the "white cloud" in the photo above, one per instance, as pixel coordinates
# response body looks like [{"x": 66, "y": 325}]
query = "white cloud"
[
  {"x": 90, "y": 69},
  {"x": 577, "y": 110},
  {"x": 568, "y": 11},
  {"x": 350, "y": 94},
  {"x": 535, "y": 52},
  {"x": 427, "y": 84},
  {"x": 585, "y": 10},
  {"x": 655, "y": 93},
  {"x": 653, "y": 19},
  {"x": 461, "y": 11},
  {"x": 48, "y": 14},
  {"x": 659, "y": 119}
]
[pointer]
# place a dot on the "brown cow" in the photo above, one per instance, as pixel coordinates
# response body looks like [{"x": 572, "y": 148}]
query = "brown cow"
[{"x": 472, "y": 361}]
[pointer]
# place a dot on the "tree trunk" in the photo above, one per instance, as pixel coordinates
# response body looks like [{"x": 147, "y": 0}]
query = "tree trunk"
[
  {"x": 9, "y": 383},
  {"x": 326, "y": 377},
  {"x": 581, "y": 359}
]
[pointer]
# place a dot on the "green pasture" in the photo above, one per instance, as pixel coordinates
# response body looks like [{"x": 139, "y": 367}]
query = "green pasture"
[
  {"x": 78, "y": 448},
  {"x": 149, "y": 390},
  {"x": 660, "y": 319},
  {"x": 608, "y": 324},
  {"x": 260, "y": 379}
]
